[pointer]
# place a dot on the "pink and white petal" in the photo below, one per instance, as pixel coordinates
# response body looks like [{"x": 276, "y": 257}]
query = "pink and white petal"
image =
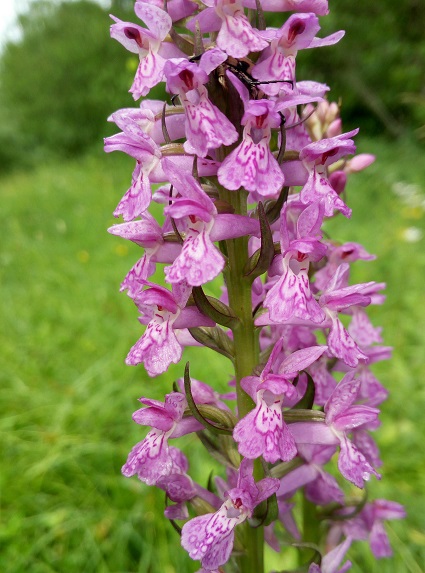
[
  {"x": 209, "y": 538},
  {"x": 342, "y": 346},
  {"x": 156, "y": 349},
  {"x": 206, "y": 127},
  {"x": 300, "y": 360},
  {"x": 156, "y": 19},
  {"x": 138, "y": 197},
  {"x": 277, "y": 67},
  {"x": 149, "y": 73},
  {"x": 253, "y": 167},
  {"x": 291, "y": 297},
  {"x": 198, "y": 263},
  {"x": 238, "y": 38},
  {"x": 342, "y": 397},
  {"x": 353, "y": 465},
  {"x": 134, "y": 279},
  {"x": 317, "y": 188},
  {"x": 251, "y": 442},
  {"x": 328, "y": 40},
  {"x": 367, "y": 445},
  {"x": 149, "y": 458}
]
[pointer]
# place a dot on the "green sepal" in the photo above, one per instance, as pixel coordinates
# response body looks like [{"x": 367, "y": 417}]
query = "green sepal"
[
  {"x": 329, "y": 511},
  {"x": 198, "y": 47},
  {"x": 284, "y": 468},
  {"x": 307, "y": 401},
  {"x": 215, "y": 338},
  {"x": 165, "y": 133},
  {"x": 220, "y": 447},
  {"x": 214, "y": 308},
  {"x": 195, "y": 411},
  {"x": 261, "y": 21},
  {"x": 182, "y": 43},
  {"x": 317, "y": 558},
  {"x": 201, "y": 506},
  {"x": 261, "y": 260},
  {"x": 273, "y": 208},
  {"x": 222, "y": 417},
  {"x": 267, "y": 515},
  {"x": 293, "y": 416}
]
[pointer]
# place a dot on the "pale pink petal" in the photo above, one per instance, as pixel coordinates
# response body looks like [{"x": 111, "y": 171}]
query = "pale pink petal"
[
  {"x": 149, "y": 459},
  {"x": 206, "y": 126},
  {"x": 291, "y": 297},
  {"x": 138, "y": 197},
  {"x": 236, "y": 36},
  {"x": 157, "y": 348},
  {"x": 341, "y": 344},
  {"x": 149, "y": 73},
  {"x": 253, "y": 167},
  {"x": 198, "y": 263},
  {"x": 353, "y": 465},
  {"x": 317, "y": 188}
]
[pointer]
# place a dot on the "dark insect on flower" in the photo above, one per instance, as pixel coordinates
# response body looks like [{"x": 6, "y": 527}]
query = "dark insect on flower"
[{"x": 241, "y": 69}]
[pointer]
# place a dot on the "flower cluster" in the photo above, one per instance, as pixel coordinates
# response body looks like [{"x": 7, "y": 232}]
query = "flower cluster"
[{"x": 249, "y": 163}]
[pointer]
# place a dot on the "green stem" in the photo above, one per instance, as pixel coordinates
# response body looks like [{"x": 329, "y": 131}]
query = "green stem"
[{"x": 245, "y": 338}]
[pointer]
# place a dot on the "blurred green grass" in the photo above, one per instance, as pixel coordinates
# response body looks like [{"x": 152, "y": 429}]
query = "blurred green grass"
[{"x": 67, "y": 396}]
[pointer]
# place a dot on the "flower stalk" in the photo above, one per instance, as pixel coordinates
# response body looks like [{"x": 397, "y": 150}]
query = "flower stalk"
[{"x": 249, "y": 163}]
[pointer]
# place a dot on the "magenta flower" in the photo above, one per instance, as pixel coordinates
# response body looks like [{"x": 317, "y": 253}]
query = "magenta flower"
[
  {"x": 252, "y": 165},
  {"x": 262, "y": 432},
  {"x": 206, "y": 126},
  {"x": 336, "y": 297},
  {"x": 165, "y": 312},
  {"x": 209, "y": 538},
  {"x": 291, "y": 297},
  {"x": 146, "y": 43},
  {"x": 200, "y": 261},
  {"x": 342, "y": 417},
  {"x": 277, "y": 62},
  {"x": 151, "y": 458},
  {"x": 236, "y": 36},
  {"x": 316, "y": 158}
]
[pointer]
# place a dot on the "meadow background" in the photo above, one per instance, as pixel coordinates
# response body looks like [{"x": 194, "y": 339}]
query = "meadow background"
[{"x": 66, "y": 396}]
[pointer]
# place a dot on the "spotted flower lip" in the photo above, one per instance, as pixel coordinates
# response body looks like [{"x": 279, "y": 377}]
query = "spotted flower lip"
[
  {"x": 342, "y": 417},
  {"x": 200, "y": 261},
  {"x": 263, "y": 432},
  {"x": 165, "y": 311},
  {"x": 209, "y": 538},
  {"x": 206, "y": 126},
  {"x": 152, "y": 458}
]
